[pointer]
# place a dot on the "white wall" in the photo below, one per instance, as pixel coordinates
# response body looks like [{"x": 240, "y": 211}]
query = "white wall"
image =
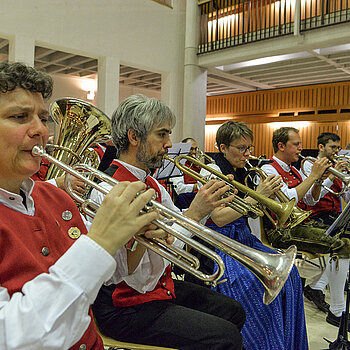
[{"x": 139, "y": 33}]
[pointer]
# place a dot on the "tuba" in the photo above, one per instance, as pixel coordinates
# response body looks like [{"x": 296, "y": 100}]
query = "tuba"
[{"x": 81, "y": 124}]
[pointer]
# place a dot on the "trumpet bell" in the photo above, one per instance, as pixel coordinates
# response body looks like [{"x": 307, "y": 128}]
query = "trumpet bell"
[
  {"x": 281, "y": 265},
  {"x": 81, "y": 124}
]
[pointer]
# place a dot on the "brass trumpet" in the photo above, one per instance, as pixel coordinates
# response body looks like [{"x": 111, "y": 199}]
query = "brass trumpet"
[
  {"x": 345, "y": 178},
  {"x": 297, "y": 215},
  {"x": 271, "y": 269},
  {"x": 202, "y": 156},
  {"x": 281, "y": 210}
]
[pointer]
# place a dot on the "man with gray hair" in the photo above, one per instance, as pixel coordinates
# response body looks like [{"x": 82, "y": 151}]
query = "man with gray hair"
[{"x": 148, "y": 306}]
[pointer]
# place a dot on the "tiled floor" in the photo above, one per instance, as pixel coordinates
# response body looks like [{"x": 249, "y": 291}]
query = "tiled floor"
[{"x": 317, "y": 327}]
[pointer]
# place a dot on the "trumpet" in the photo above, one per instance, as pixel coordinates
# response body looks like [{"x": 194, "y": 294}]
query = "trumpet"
[
  {"x": 343, "y": 157},
  {"x": 272, "y": 270},
  {"x": 281, "y": 210},
  {"x": 297, "y": 215},
  {"x": 345, "y": 178},
  {"x": 202, "y": 157}
]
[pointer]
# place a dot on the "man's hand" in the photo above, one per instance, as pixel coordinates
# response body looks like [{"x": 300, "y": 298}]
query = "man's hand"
[
  {"x": 207, "y": 199},
  {"x": 78, "y": 185},
  {"x": 319, "y": 167},
  {"x": 118, "y": 218},
  {"x": 151, "y": 231}
]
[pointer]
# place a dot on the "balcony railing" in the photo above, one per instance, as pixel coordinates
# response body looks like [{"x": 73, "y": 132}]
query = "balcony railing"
[{"x": 228, "y": 23}]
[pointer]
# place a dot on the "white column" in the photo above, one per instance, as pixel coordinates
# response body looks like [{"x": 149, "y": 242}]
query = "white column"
[
  {"x": 21, "y": 49},
  {"x": 108, "y": 84},
  {"x": 297, "y": 17},
  {"x": 171, "y": 93},
  {"x": 195, "y": 79}
]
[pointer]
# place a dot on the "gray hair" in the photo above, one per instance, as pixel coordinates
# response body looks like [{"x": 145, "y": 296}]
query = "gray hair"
[
  {"x": 141, "y": 114},
  {"x": 231, "y": 131}
]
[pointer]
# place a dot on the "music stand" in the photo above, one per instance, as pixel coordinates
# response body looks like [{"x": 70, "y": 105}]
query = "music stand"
[
  {"x": 342, "y": 342},
  {"x": 168, "y": 168}
]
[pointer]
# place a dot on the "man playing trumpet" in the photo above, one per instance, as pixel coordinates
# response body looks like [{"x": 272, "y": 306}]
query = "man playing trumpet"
[
  {"x": 324, "y": 213},
  {"x": 148, "y": 306},
  {"x": 287, "y": 148}
]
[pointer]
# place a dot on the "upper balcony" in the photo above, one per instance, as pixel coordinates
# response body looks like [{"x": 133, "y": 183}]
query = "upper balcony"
[{"x": 228, "y": 23}]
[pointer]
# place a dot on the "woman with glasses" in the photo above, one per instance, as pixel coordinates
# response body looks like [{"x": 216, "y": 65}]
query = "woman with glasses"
[{"x": 281, "y": 324}]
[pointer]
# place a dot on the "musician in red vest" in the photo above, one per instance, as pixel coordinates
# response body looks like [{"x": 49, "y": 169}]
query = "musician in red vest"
[
  {"x": 325, "y": 213},
  {"x": 49, "y": 275},
  {"x": 186, "y": 186},
  {"x": 148, "y": 306},
  {"x": 287, "y": 146}
]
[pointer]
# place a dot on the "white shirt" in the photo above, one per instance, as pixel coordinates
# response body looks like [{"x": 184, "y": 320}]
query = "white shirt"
[
  {"x": 52, "y": 310},
  {"x": 152, "y": 265},
  {"x": 180, "y": 186},
  {"x": 289, "y": 192},
  {"x": 326, "y": 183}
]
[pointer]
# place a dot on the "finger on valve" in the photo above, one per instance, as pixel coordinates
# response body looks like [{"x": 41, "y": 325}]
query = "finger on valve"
[{"x": 118, "y": 218}]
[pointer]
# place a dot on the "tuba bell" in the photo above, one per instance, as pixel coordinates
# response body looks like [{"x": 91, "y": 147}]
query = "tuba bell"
[{"x": 81, "y": 124}]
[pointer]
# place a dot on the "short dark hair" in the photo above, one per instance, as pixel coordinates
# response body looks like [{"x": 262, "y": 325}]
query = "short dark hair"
[
  {"x": 231, "y": 131},
  {"x": 187, "y": 139},
  {"x": 281, "y": 135},
  {"x": 18, "y": 74},
  {"x": 325, "y": 137}
]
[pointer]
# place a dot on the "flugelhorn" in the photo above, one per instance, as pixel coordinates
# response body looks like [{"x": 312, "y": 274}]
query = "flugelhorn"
[
  {"x": 297, "y": 215},
  {"x": 345, "y": 178},
  {"x": 237, "y": 203},
  {"x": 281, "y": 210},
  {"x": 271, "y": 269}
]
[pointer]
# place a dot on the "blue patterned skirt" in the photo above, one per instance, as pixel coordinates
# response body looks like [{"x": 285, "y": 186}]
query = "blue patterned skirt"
[{"x": 277, "y": 326}]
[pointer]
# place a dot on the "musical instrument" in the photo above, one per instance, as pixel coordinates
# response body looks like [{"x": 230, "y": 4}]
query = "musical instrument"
[
  {"x": 203, "y": 157},
  {"x": 297, "y": 215},
  {"x": 281, "y": 210},
  {"x": 271, "y": 269},
  {"x": 81, "y": 124},
  {"x": 345, "y": 178}
]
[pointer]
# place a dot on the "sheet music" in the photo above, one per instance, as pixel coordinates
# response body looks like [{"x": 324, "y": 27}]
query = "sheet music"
[
  {"x": 340, "y": 223},
  {"x": 168, "y": 168}
]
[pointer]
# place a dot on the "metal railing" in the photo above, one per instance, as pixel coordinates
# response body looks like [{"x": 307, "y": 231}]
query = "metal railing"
[{"x": 228, "y": 23}]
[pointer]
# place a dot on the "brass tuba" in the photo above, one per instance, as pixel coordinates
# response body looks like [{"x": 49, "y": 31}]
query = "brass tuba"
[{"x": 81, "y": 124}]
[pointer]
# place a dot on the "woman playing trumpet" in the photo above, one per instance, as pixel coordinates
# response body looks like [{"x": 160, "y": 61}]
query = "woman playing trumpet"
[{"x": 280, "y": 325}]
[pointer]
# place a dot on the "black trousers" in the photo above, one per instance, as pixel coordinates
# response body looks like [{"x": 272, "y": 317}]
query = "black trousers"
[{"x": 197, "y": 319}]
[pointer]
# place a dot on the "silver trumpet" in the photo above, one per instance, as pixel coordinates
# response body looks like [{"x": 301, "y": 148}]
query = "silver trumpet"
[
  {"x": 271, "y": 269},
  {"x": 345, "y": 178}
]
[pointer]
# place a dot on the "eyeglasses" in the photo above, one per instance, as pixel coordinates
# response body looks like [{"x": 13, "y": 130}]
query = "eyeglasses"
[
  {"x": 335, "y": 148},
  {"x": 244, "y": 149}
]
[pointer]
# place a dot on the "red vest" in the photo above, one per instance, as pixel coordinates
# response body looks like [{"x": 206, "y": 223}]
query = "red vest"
[
  {"x": 41, "y": 174},
  {"x": 124, "y": 295},
  {"x": 330, "y": 202},
  {"x": 292, "y": 179},
  {"x": 30, "y": 234},
  {"x": 187, "y": 178},
  {"x": 100, "y": 150}
]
